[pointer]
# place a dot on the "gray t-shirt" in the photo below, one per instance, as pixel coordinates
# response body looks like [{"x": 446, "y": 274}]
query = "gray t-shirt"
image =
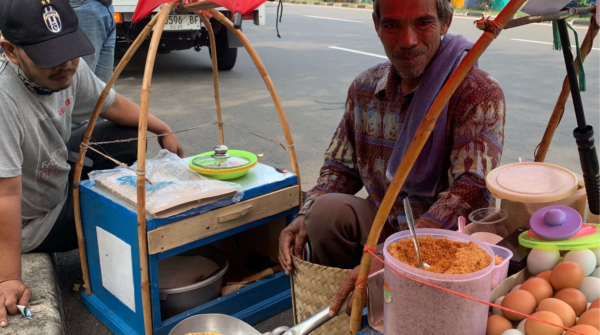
[{"x": 33, "y": 132}]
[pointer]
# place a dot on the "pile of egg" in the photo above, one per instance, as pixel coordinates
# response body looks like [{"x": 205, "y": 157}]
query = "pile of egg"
[{"x": 562, "y": 291}]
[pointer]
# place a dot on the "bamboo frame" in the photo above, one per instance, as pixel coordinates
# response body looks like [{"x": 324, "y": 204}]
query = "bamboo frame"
[
  {"x": 559, "y": 108},
  {"x": 548, "y": 17},
  {"x": 141, "y": 165},
  {"x": 413, "y": 151},
  {"x": 158, "y": 22},
  {"x": 213, "y": 53},
  {"x": 86, "y": 140},
  {"x": 267, "y": 79}
]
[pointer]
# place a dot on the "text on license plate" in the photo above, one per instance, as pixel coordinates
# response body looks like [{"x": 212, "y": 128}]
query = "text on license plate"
[{"x": 183, "y": 22}]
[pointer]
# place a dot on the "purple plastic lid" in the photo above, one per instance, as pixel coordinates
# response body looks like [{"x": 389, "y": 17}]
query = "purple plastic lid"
[{"x": 556, "y": 223}]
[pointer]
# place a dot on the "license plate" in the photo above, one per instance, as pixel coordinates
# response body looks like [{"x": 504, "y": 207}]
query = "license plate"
[{"x": 182, "y": 22}]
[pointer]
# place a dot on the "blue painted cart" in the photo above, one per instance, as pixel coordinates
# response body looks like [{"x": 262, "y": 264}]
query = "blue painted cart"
[
  {"x": 120, "y": 249},
  {"x": 112, "y": 246}
]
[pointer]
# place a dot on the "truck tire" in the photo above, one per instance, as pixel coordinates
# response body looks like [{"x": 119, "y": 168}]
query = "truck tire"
[{"x": 226, "y": 57}]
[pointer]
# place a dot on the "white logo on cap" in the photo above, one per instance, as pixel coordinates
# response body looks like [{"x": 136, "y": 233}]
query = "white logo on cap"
[{"x": 52, "y": 19}]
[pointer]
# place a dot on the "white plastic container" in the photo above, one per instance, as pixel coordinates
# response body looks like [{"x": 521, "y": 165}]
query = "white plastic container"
[
  {"x": 500, "y": 271},
  {"x": 414, "y": 308}
]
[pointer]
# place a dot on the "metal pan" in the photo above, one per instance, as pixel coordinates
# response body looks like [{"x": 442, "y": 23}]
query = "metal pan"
[{"x": 228, "y": 325}]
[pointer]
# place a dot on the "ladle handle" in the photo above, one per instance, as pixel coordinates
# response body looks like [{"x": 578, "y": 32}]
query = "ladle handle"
[
  {"x": 314, "y": 322},
  {"x": 411, "y": 226}
]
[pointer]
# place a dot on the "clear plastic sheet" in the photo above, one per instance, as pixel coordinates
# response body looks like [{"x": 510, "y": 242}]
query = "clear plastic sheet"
[{"x": 174, "y": 187}]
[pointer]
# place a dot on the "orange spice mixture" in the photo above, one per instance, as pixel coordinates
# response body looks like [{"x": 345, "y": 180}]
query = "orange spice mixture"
[{"x": 443, "y": 255}]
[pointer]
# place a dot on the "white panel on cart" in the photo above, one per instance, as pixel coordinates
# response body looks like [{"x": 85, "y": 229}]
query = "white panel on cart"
[{"x": 116, "y": 267}]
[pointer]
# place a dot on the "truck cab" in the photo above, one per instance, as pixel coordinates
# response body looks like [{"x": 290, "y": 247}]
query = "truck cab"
[{"x": 183, "y": 32}]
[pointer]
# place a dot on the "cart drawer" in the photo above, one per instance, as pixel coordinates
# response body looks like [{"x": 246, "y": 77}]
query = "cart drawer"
[{"x": 219, "y": 220}]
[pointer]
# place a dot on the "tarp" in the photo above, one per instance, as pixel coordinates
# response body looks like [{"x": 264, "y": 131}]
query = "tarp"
[{"x": 146, "y": 7}]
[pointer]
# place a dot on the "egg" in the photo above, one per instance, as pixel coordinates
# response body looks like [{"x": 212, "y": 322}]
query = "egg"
[
  {"x": 497, "y": 324},
  {"x": 595, "y": 304},
  {"x": 585, "y": 258},
  {"x": 573, "y": 298},
  {"x": 513, "y": 332},
  {"x": 596, "y": 252},
  {"x": 539, "y": 288},
  {"x": 586, "y": 329},
  {"x": 545, "y": 275},
  {"x": 521, "y": 326},
  {"x": 515, "y": 288},
  {"x": 542, "y": 260},
  {"x": 533, "y": 327},
  {"x": 590, "y": 288},
  {"x": 566, "y": 275},
  {"x": 591, "y": 318},
  {"x": 520, "y": 301},
  {"x": 495, "y": 310},
  {"x": 560, "y": 308},
  {"x": 596, "y": 273}
]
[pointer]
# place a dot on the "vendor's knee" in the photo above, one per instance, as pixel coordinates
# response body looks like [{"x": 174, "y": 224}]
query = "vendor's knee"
[{"x": 330, "y": 216}]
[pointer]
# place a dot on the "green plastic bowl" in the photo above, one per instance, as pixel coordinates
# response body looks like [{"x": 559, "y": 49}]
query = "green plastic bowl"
[{"x": 226, "y": 173}]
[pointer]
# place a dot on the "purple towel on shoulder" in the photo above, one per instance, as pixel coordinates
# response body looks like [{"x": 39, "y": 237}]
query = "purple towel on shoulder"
[{"x": 427, "y": 171}]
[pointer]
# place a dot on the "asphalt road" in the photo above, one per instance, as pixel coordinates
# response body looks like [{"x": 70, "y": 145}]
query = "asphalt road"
[{"x": 312, "y": 79}]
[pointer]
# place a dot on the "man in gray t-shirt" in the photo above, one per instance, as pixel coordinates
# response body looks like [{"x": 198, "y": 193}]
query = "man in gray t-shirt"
[{"x": 44, "y": 85}]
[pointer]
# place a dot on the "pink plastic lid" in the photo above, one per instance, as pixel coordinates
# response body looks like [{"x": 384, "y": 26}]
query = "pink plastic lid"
[{"x": 531, "y": 182}]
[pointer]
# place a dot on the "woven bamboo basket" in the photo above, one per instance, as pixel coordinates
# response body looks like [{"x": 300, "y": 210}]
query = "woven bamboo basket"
[{"x": 313, "y": 288}]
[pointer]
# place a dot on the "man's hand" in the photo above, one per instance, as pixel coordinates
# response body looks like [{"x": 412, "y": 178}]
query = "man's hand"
[
  {"x": 347, "y": 288},
  {"x": 294, "y": 235},
  {"x": 12, "y": 293},
  {"x": 171, "y": 143}
]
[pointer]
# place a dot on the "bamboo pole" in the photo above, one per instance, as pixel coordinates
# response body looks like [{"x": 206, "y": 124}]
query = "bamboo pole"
[
  {"x": 86, "y": 140},
  {"x": 141, "y": 180},
  {"x": 413, "y": 151},
  {"x": 548, "y": 17},
  {"x": 267, "y": 79},
  {"x": 203, "y": 5},
  {"x": 213, "y": 53},
  {"x": 559, "y": 108}
]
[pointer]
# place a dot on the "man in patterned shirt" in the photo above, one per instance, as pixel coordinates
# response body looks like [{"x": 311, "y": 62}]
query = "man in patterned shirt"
[{"x": 337, "y": 223}]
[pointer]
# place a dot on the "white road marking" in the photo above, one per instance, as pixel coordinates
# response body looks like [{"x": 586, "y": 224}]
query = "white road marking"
[
  {"x": 359, "y": 52},
  {"x": 540, "y": 42},
  {"x": 330, "y": 18}
]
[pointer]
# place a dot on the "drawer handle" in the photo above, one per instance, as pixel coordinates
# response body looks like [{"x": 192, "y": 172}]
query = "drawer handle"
[{"x": 235, "y": 215}]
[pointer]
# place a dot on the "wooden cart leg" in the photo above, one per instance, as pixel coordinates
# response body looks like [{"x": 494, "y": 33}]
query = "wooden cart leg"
[
  {"x": 141, "y": 180},
  {"x": 86, "y": 140},
  {"x": 213, "y": 53},
  {"x": 265, "y": 75},
  {"x": 559, "y": 108}
]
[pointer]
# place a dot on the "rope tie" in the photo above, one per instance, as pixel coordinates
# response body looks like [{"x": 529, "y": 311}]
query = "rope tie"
[
  {"x": 291, "y": 147},
  {"x": 372, "y": 250}
]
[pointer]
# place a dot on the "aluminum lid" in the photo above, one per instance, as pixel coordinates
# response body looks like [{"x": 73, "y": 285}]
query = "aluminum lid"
[{"x": 531, "y": 182}]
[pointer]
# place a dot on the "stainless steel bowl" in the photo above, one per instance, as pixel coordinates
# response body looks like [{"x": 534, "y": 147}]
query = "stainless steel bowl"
[{"x": 177, "y": 300}]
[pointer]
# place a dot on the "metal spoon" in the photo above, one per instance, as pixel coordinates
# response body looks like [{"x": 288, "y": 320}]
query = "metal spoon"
[{"x": 411, "y": 226}]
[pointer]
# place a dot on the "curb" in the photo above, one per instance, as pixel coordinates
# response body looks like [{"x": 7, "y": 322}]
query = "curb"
[
  {"x": 330, "y": 4},
  {"x": 364, "y": 6},
  {"x": 581, "y": 22}
]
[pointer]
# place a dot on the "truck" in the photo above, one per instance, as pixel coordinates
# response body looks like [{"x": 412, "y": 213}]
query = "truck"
[{"x": 183, "y": 32}]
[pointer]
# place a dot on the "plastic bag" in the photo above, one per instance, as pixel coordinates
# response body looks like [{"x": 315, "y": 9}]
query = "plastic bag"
[{"x": 173, "y": 188}]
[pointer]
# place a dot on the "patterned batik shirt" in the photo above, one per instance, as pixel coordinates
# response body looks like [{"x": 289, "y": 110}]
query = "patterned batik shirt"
[{"x": 373, "y": 119}]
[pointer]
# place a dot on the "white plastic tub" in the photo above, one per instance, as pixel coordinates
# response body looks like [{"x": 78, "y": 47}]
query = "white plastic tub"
[
  {"x": 414, "y": 308},
  {"x": 500, "y": 271}
]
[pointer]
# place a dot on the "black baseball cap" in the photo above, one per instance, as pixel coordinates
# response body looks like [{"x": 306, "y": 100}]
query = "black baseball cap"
[{"x": 47, "y": 30}]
